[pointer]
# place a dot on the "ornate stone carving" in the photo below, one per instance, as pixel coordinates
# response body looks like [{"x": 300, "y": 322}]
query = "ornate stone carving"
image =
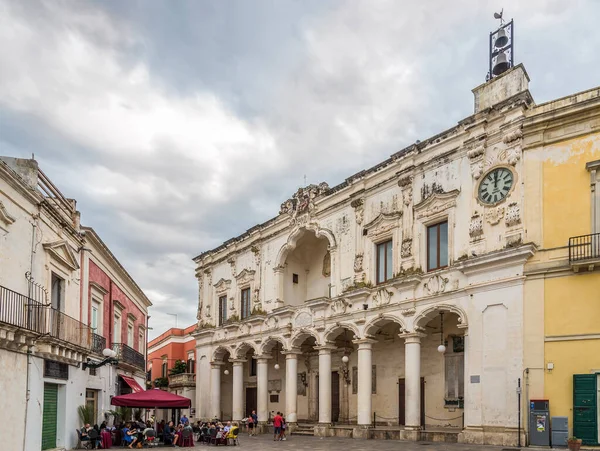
[
  {"x": 406, "y": 250},
  {"x": 5, "y": 216},
  {"x": 475, "y": 152},
  {"x": 222, "y": 286},
  {"x": 513, "y": 215},
  {"x": 208, "y": 274},
  {"x": 513, "y": 136},
  {"x": 232, "y": 263},
  {"x": 326, "y": 264},
  {"x": 476, "y": 226},
  {"x": 245, "y": 276},
  {"x": 303, "y": 319},
  {"x": 514, "y": 155},
  {"x": 272, "y": 322},
  {"x": 494, "y": 215},
  {"x": 405, "y": 181},
  {"x": 429, "y": 190},
  {"x": 256, "y": 251},
  {"x": 435, "y": 203},
  {"x": 303, "y": 200},
  {"x": 256, "y": 296},
  {"x": 358, "y": 262},
  {"x": 339, "y": 306},
  {"x": 207, "y": 314},
  {"x": 408, "y": 311},
  {"x": 436, "y": 284},
  {"x": 382, "y": 297},
  {"x": 359, "y": 209},
  {"x": 477, "y": 170}
]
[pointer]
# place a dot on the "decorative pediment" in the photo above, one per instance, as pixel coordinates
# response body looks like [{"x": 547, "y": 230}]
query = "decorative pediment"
[
  {"x": 245, "y": 276},
  {"x": 5, "y": 217},
  {"x": 436, "y": 203},
  {"x": 383, "y": 223},
  {"x": 62, "y": 252},
  {"x": 222, "y": 285}
]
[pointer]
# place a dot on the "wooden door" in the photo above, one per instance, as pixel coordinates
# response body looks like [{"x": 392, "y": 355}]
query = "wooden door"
[
  {"x": 585, "y": 415},
  {"x": 335, "y": 396},
  {"x": 402, "y": 402},
  {"x": 251, "y": 398}
]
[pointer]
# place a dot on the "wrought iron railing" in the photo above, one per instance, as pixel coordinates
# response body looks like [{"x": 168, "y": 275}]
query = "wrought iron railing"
[
  {"x": 584, "y": 247},
  {"x": 25, "y": 313},
  {"x": 22, "y": 312},
  {"x": 98, "y": 343},
  {"x": 129, "y": 355},
  {"x": 65, "y": 328}
]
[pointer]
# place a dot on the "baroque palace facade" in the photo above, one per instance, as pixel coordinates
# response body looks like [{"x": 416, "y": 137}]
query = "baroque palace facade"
[{"x": 396, "y": 298}]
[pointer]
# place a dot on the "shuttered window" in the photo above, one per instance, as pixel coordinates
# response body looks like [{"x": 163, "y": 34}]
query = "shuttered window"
[
  {"x": 49, "y": 416},
  {"x": 246, "y": 303}
]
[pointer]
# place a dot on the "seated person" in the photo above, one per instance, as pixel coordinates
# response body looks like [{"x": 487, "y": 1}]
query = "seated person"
[
  {"x": 168, "y": 433},
  {"x": 178, "y": 435},
  {"x": 84, "y": 432},
  {"x": 128, "y": 434},
  {"x": 227, "y": 427}
]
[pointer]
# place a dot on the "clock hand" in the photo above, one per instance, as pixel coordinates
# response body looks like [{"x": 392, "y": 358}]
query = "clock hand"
[{"x": 495, "y": 180}]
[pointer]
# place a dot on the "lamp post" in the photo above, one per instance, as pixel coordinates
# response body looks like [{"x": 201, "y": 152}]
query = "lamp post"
[{"x": 110, "y": 359}]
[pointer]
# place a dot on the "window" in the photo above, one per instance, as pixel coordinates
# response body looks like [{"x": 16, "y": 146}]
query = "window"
[
  {"x": 57, "y": 295},
  {"x": 246, "y": 303},
  {"x": 95, "y": 318},
  {"x": 294, "y": 278},
  {"x": 164, "y": 369},
  {"x": 274, "y": 398},
  {"x": 117, "y": 328},
  {"x": 437, "y": 246},
  {"x": 141, "y": 341},
  {"x": 56, "y": 370},
  {"x": 594, "y": 168},
  {"x": 91, "y": 401},
  {"x": 222, "y": 310},
  {"x": 130, "y": 334},
  {"x": 252, "y": 367},
  {"x": 190, "y": 363},
  {"x": 385, "y": 262}
]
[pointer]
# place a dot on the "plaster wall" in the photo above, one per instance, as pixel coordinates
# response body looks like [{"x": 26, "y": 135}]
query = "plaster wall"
[{"x": 13, "y": 368}]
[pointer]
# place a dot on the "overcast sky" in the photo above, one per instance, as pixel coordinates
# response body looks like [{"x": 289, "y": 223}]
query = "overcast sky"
[{"x": 179, "y": 124}]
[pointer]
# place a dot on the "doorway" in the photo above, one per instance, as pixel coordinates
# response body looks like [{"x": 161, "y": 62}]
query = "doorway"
[
  {"x": 50, "y": 413},
  {"x": 402, "y": 402},
  {"x": 335, "y": 396},
  {"x": 251, "y": 397}
]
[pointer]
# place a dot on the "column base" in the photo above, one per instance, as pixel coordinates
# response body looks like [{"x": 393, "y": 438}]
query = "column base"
[
  {"x": 323, "y": 430},
  {"x": 362, "y": 431},
  {"x": 291, "y": 427},
  {"x": 411, "y": 433}
]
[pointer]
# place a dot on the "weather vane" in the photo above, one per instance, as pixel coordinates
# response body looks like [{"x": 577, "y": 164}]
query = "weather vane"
[{"x": 499, "y": 16}]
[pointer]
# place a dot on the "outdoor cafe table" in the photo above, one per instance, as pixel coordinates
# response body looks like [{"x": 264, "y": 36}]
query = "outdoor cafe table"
[{"x": 105, "y": 439}]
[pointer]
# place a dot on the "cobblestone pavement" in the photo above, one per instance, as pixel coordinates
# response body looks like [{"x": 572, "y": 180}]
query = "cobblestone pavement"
[{"x": 266, "y": 443}]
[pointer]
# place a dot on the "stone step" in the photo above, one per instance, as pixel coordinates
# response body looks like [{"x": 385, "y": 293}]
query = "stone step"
[{"x": 304, "y": 433}]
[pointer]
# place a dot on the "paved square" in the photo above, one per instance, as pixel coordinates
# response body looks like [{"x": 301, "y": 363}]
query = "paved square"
[{"x": 265, "y": 443}]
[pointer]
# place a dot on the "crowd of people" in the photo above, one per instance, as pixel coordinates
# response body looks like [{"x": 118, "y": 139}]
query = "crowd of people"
[{"x": 134, "y": 434}]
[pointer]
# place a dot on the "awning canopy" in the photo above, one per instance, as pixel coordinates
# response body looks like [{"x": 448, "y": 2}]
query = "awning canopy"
[
  {"x": 152, "y": 399},
  {"x": 135, "y": 387}
]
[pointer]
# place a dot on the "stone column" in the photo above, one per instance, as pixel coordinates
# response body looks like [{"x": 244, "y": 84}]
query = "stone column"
[
  {"x": 238, "y": 390},
  {"x": 412, "y": 375},
  {"x": 365, "y": 381},
  {"x": 262, "y": 391},
  {"x": 291, "y": 387},
  {"x": 215, "y": 389},
  {"x": 467, "y": 380},
  {"x": 325, "y": 384}
]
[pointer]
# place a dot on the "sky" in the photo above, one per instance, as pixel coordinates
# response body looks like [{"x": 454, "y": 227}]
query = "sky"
[{"x": 180, "y": 124}]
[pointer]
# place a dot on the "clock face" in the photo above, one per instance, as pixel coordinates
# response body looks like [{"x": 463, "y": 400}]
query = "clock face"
[{"x": 495, "y": 186}]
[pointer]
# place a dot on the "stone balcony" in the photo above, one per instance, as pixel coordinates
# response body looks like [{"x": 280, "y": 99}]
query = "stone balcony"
[{"x": 182, "y": 380}]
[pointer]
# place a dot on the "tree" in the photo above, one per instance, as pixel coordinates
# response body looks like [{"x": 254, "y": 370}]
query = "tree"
[{"x": 178, "y": 368}]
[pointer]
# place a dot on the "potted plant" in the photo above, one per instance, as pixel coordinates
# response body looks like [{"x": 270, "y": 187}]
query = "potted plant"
[{"x": 574, "y": 443}]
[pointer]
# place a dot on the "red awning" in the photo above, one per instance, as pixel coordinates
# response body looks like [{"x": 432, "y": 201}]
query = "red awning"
[
  {"x": 135, "y": 387},
  {"x": 152, "y": 399}
]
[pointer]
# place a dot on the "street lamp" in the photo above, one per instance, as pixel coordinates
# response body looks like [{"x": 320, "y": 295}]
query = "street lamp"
[{"x": 110, "y": 359}]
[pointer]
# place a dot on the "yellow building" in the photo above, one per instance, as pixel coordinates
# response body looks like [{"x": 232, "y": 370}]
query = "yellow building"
[{"x": 561, "y": 155}]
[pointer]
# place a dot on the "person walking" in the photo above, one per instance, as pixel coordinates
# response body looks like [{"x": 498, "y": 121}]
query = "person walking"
[
  {"x": 255, "y": 421},
  {"x": 283, "y": 428},
  {"x": 277, "y": 419}
]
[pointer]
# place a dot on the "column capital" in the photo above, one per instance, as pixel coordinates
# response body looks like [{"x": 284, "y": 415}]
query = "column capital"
[
  {"x": 238, "y": 362},
  {"x": 325, "y": 349},
  {"x": 293, "y": 354},
  {"x": 262, "y": 358},
  {"x": 412, "y": 337},
  {"x": 364, "y": 343},
  {"x": 215, "y": 365}
]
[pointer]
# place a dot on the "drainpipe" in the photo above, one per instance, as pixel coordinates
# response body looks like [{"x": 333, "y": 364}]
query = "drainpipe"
[{"x": 27, "y": 394}]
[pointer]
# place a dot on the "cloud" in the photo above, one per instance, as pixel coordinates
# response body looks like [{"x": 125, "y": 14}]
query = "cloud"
[{"x": 179, "y": 125}]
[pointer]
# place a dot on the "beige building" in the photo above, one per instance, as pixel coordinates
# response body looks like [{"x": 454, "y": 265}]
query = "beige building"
[{"x": 394, "y": 299}]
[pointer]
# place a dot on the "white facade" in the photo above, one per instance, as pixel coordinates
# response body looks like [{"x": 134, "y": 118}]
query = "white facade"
[
  {"x": 45, "y": 331},
  {"x": 325, "y": 283}
]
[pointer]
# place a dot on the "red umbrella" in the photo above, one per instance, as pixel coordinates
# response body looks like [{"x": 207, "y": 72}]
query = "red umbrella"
[{"x": 152, "y": 399}]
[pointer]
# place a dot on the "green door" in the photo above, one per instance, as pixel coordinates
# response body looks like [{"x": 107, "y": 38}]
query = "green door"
[
  {"x": 49, "y": 417},
  {"x": 585, "y": 413}
]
